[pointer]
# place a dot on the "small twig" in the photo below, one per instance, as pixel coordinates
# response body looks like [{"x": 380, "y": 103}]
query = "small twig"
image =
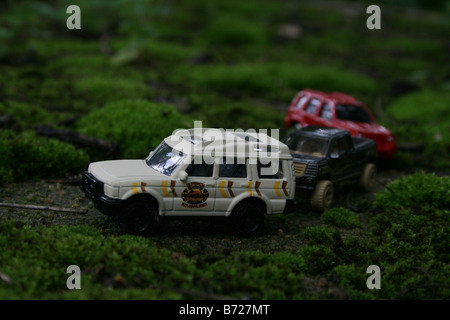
[
  {"x": 33, "y": 207},
  {"x": 5, "y": 278},
  {"x": 385, "y": 186},
  {"x": 64, "y": 181}
]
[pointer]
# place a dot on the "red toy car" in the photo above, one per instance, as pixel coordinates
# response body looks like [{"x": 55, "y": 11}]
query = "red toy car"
[{"x": 341, "y": 111}]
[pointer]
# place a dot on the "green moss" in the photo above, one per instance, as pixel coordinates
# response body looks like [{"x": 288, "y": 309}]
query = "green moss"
[
  {"x": 319, "y": 259},
  {"x": 420, "y": 190},
  {"x": 25, "y": 113},
  {"x": 97, "y": 91},
  {"x": 422, "y": 118},
  {"x": 26, "y": 156},
  {"x": 127, "y": 266},
  {"x": 279, "y": 81},
  {"x": 318, "y": 236},
  {"x": 138, "y": 126},
  {"x": 233, "y": 31},
  {"x": 342, "y": 218},
  {"x": 244, "y": 114}
]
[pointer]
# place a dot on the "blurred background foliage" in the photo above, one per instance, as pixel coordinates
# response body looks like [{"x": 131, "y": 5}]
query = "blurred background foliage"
[
  {"x": 137, "y": 70},
  {"x": 232, "y": 64}
]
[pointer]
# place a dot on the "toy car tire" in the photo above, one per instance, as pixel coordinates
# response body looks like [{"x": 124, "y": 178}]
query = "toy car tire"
[
  {"x": 248, "y": 218},
  {"x": 137, "y": 218},
  {"x": 368, "y": 178},
  {"x": 323, "y": 196}
]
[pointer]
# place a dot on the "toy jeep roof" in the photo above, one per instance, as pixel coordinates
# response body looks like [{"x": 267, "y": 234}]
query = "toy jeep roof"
[{"x": 239, "y": 144}]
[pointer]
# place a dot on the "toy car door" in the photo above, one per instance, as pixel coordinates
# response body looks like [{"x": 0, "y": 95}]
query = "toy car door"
[
  {"x": 340, "y": 158},
  {"x": 232, "y": 181},
  {"x": 196, "y": 195}
]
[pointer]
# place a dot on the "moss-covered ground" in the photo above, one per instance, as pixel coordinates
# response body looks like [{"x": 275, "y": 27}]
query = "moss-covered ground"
[{"x": 138, "y": 70}]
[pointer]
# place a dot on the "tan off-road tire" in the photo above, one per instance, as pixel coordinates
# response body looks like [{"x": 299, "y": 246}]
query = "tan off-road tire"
[
  {"x": 322, "y": 196},
  {"x": 368, "y": 177}
]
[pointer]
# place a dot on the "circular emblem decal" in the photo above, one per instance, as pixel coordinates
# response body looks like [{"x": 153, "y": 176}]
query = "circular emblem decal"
[{"x": 195, "y": 195}]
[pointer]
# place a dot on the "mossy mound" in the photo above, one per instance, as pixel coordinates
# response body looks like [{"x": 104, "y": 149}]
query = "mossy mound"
[
  {"x": 138, "y": 126},
  {"x": 27, "y": 156},
  {"x": 342, "y": 218}
]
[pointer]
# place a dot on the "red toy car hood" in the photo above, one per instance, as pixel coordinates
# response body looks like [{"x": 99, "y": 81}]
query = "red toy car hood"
[{"x": 364, "y": 128}]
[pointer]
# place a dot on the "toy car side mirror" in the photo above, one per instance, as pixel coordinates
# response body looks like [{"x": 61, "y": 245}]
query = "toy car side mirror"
[{"x": 183, "y": 176}]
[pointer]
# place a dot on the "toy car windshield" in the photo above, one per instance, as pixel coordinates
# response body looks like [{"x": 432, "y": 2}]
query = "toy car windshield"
[
  {"x": 313, "y": 147},
  {"x": 353, "y": 113},
  {"x": 165, "y": 159}
]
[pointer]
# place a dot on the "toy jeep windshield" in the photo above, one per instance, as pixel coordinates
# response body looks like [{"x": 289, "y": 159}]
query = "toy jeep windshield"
[
  {"x": 215, "y": 173},
  {"x": 327, "y": 157}
]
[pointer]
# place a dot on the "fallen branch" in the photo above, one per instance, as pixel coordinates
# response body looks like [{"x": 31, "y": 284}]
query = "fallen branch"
[
  {"x": 33, "y": 207},
  {"x": 77, "y": 139},
  {"x": 412, "y": 147}
]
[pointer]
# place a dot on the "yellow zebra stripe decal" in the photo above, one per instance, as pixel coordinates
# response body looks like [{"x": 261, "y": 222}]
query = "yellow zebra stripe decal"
[
  {"x": 276, "y": 187},
  {"x": 164, "y": 190},
  {"x": 222, "y": 190},
  {"x": 249, "y": 188},
  {"x": 134, "y": 187}
]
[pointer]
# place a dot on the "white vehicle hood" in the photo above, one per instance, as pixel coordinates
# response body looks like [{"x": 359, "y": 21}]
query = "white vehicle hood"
[{"x": 115, "y": 171}]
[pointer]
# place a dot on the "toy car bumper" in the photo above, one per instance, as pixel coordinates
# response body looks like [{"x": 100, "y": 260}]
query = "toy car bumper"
[
  {"x": 93, "y": 189},
  {"x": 305, "y": 182}
]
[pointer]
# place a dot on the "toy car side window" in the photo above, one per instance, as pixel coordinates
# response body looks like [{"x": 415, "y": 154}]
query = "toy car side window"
[
  {"x": 277, "y": 175},
  {"x": 301, "y": 101},
  {"x": 233, "y": 170},
  {"x": 326, "y": 112},
  {"x": 200, "y": 170},
  {"x": 335, "y": 150},
  {"x": 344, "y": 145},
  {"x": 312, "y": 106}
]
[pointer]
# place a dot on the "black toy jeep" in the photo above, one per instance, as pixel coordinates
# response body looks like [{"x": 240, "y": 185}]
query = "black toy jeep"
[{"x": 325, "y": 157}]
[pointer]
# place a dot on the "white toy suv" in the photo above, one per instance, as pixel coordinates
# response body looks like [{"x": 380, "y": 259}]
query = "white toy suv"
[{"x": 197, "y": 173}]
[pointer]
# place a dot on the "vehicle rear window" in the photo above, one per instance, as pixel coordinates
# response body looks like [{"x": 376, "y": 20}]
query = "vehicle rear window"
[
  {"x": 353, "y": 113},
  {"x": 269, "y": 173}
]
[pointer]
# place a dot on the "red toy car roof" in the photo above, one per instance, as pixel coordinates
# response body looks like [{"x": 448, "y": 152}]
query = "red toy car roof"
[{"x": 336, "y": 97}]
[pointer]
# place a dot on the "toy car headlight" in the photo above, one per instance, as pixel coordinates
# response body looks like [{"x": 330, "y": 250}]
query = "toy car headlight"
[{"x": 112, "y": 192}]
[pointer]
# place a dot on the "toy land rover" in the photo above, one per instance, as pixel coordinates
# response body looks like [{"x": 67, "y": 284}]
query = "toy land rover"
[{"x": 197, "y": 173}]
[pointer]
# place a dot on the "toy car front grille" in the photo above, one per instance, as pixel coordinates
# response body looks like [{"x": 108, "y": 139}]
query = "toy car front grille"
[
  {"x": 299, "y": 169},
  {"x": 90, "y": 185}
]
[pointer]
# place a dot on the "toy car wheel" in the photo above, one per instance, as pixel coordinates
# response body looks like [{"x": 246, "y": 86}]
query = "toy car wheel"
[
  {"x": 368, "y": 178},
  {"x": 323, "y": 196},
  {"x": 137, "y": 218},
  {"x": 248, "y": 218}
]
